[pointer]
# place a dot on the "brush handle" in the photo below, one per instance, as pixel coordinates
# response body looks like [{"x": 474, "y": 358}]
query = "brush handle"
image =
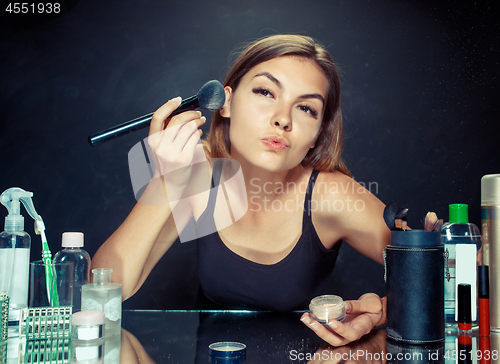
[
  {"x": 49, "y": 275},
  {"x": 141, "y": 122}
]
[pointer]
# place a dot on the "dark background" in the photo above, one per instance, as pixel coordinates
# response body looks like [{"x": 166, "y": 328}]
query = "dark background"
[{"x": 420, "y": 100}]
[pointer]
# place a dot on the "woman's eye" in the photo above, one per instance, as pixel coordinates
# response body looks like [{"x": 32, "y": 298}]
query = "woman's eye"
[
  {"x": 263, "y": 92},
  {"x": 308, "y": 110}
]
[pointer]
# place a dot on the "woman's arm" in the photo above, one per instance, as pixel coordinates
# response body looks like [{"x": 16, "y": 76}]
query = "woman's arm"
[
  {"x": 350, "y": 213},
  {"x": 360, "y": 224},
  {"x": 132, "y": 250},
  {"x": 149, "y": 230}
]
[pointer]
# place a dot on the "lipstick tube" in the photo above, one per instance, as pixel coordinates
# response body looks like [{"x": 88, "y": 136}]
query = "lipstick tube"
[{"x": 484, "y": 300}]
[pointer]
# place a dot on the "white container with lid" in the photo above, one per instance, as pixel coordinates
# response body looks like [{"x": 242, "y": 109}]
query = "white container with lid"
[
  {"x": 87, "y": 325},
  {"x": 327, "y": 308}
]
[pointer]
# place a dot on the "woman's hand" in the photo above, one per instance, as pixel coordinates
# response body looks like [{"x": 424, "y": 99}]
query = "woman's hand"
[
  {"x": 362, "y": 316},
  {"x": 174, "y": 146}
]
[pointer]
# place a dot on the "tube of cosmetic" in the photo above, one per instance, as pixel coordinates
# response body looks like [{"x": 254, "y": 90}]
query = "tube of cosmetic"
[{"x": 484, "y": 300}]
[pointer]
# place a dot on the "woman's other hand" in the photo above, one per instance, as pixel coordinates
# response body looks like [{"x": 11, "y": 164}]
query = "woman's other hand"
[{"x": 362, "y": 316}]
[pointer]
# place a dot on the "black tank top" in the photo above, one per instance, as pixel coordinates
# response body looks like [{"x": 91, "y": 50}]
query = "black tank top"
[{"x": 232, "y": 281}]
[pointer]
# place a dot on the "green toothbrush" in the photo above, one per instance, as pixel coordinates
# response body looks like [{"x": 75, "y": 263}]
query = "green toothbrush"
[{"x": 47, "y": 262}]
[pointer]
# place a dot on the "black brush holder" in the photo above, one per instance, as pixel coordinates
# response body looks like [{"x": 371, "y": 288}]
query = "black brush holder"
[{"x": 414, "y": 265}]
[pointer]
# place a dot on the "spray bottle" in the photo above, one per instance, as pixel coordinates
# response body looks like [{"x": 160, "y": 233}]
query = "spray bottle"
[{"x": 15, "y": 246}]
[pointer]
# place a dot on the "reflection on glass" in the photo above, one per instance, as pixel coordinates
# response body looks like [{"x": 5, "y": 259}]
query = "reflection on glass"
[{"x": 185, "y": 337}]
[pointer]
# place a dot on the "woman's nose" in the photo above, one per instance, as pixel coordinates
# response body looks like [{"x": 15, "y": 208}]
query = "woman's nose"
[{"x": 282, "y": 120}]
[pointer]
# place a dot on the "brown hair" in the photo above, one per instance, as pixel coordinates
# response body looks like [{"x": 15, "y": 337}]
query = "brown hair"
[{"x": 326, "y": 155}]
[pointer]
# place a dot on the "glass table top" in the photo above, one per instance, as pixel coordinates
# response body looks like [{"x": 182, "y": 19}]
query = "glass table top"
[{"x": 185, "y": 336}]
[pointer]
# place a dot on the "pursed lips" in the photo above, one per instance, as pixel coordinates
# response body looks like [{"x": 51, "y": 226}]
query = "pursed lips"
[{"x": 276, "y": 143}]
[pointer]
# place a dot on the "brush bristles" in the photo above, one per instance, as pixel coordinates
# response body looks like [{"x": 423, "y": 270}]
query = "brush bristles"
[
  {"x": 211, "y": 96},
  {"x": 432, "y": 223}
]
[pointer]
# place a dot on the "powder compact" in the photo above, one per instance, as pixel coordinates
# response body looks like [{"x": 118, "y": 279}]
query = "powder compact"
[{"x": 327, "y": 308}]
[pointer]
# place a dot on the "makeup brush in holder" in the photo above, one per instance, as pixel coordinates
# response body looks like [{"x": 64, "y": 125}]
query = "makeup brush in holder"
[{"x": 414, "y": 265}]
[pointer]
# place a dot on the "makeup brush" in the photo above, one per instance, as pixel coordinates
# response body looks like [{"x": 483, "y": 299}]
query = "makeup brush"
[
  {"x": 211, "y": 97},
  {"x": 395, "y": 216},
  {"x": 432, "y": 223}
]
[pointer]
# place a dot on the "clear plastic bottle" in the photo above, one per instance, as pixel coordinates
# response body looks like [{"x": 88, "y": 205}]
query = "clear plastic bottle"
[
  {"x": 104, "y": 296},
  {"x": 15, "y": 246},
  {"x": 73, "y": 252},
  {"x": 461, "y": 241},
  {"x": 14, "y": 269}
]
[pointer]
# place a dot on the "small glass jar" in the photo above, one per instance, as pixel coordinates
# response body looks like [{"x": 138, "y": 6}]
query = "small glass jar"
[
  {"x": 87, "y": 325},
  {"x": 227, "y": 352},
  {"x": 87, "y": 337},
  {"x": 327, "y": 308}
]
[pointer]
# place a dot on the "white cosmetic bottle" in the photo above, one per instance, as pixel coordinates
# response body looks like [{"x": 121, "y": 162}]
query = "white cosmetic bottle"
[{"x": 104, "y": 296}]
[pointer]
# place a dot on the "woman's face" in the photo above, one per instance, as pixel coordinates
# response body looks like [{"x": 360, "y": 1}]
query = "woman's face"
[{"x": 276, "y": 112}]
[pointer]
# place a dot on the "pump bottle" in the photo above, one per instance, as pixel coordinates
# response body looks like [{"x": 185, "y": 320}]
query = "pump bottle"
[
  {"x": 461, "y": 241},
  {"x": 15, "y": 245}
]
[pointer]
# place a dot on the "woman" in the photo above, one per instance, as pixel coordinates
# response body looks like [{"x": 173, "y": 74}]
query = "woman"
[{"x": 282, "y": 123}]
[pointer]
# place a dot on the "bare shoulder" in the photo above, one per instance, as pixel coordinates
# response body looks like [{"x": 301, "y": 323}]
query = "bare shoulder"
[
  {"x": 343, "y": 192},
  {"x": 349, "y": 210}
]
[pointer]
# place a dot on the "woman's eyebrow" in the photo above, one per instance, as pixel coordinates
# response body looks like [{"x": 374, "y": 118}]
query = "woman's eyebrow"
[
  {"x": 314, "y": 96},
  {"x": 271, "y": 77},
  {"x": 278, "y": 83}
]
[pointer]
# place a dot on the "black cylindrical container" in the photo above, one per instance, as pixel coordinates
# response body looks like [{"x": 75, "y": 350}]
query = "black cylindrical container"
[
  {"x": 415, "y": 287},
  {"x": 399, "y": 352}
]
